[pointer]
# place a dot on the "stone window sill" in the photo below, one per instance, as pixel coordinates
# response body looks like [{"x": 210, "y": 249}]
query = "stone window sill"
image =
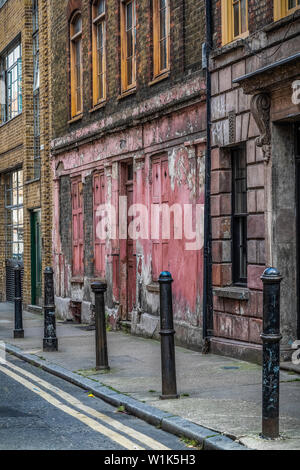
[
  {"x": 232, "y": 292},
  {"x": 125, "y": 93},
  {"x": 153, "y": 287},
  {"x": 77, "y": 280},
  {"x": 97, "y": 279},
  {"x": 159, "y": 78},
  {"x": 34, "y": 180},
  {"x": 75, "y": 118},
  {"x": 97, "y": 106}
]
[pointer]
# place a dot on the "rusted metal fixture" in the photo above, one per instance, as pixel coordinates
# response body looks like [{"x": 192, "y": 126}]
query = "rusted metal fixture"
[
  {"x": 271, "y": 337},
  {"x": 18, "y": 331},
  {"x": 167, "y": 332},
  {"x": 50, "y": 342},
  {"x": 99, "y": 289}
]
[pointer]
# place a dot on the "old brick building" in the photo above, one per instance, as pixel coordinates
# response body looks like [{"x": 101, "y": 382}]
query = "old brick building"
[
  {"x": 129, "y": 121},
  {"x": 255, "y": 65},
  {"x": 25, "y": 184}
]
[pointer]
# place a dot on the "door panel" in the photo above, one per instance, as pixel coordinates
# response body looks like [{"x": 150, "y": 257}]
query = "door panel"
[{"x": 131, "y": 274}]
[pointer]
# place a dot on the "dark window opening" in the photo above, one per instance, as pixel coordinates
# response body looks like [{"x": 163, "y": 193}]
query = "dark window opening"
[{"x": 239, "y": 216}]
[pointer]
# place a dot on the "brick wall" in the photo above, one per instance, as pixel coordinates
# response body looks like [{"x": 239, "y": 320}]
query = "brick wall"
[
  {"x": 187, "y": 35},
  {"x": 16, "y": 136}
]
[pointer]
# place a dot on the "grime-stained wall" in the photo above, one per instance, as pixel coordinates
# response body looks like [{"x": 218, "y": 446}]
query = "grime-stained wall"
[
  {"x": 160, "y": 122},
  {"x": 255, "y": 113}
]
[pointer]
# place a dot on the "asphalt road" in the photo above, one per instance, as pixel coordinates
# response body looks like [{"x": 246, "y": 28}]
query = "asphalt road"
[{"x": 39, "y": 411}]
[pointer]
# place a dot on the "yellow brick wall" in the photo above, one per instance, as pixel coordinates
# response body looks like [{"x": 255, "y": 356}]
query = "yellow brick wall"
[{"x": 16, "y": 136}]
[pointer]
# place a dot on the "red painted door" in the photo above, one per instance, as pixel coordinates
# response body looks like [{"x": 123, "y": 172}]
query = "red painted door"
[
  {"x": 77, "y": 227},
  {"x": 131, "y": 262},
  {"x": 99, "y": 245},
  {"x": 160, "y": 195}
]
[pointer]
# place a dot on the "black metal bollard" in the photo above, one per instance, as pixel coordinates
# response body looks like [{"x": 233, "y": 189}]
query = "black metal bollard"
[
  {"x": 18, "y": 331},
  {"x": 271, "y": 337},
  {"x": 167, "y": 332},
  {"x": 50, "y": 342},
  {"x": 99, "y": 288}
]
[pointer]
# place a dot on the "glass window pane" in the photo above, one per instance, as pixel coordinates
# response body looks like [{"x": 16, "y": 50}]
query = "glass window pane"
[
  {"x": 129, "y": 71},
  {"x": 128, "y": 16},
  {"x": 162, "y": 24},
  {"x": 100, "y": 7},
  {"x": 236, "y": 19},
  {"x": 129, "y": 44},
  {"x": 163, "y": 54},
  {"x": 243, "y": 16}
]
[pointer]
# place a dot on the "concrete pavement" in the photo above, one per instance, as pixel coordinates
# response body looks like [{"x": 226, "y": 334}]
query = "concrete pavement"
[{"x": 219, "y": 393}]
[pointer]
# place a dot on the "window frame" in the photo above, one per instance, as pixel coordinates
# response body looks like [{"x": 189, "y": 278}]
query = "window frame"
[
  {"x": 237, "y": 278},
  {"x": 157, "y": 69},
  {"x": 125, "y": 86},
  {"x": 96, "y": 21},
  {"x": 36, "y": 91},
  {"x": 14, "y": 203},
  {"x": 6, "y": 83},
  {"x": 74, "y": 39},
  {"x": 228, "y": 23},
  {"x": 281, "y": 9}
]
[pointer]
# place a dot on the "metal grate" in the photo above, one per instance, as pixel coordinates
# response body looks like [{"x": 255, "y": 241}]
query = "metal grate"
[{"x": 10, "y": 279}]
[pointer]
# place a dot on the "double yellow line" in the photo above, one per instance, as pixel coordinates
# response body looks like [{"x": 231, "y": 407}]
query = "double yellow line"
[{"x": 87, "y": 420}]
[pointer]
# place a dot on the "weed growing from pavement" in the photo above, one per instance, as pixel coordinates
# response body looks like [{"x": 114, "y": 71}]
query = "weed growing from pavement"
[{"x": 191, "y": 443}]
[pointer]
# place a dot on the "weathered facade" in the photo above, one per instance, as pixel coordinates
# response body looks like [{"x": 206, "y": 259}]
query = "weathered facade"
[
  {"x": 25, "y": 183},
  {"x": 139, "y": 140},
  {"x": 255, "y": 176}
]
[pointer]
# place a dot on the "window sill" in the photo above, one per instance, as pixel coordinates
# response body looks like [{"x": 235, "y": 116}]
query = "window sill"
[
  {"x": 159, "y": 78},
  {"x": 75, "y": 118},
  {"x": 34, "y": 180},
  {"x": 127, "y": 93},
  {"x": 97, "y": 279},
  {"x": 153, "y": 287},
  {"x": 10, "y": 120},
  {"x": 238, "y": 38},
  {"x": 97, "y": 106},
  {"x": 77, "y": 280},
  {"x": 232, "y": 292},
  {"x": 281, "y": 21}
]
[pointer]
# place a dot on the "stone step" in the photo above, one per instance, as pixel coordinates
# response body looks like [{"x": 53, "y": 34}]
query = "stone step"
[{"x": 34, "y": 309}]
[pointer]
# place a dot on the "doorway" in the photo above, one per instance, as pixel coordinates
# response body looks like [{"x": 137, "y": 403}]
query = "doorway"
[
  {"x": 127, "y": 248},
  {"x": 36, "y": 259}
]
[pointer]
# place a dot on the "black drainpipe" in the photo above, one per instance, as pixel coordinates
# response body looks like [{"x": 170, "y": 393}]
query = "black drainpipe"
[{"x": 207, "y": 275}]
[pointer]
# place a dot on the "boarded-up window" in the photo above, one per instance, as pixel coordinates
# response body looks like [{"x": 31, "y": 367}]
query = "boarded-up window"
[
  {"x": 77, "y": 227},
  {"x": 160, "y": 196},
  {"x": 99, "y": 243}
]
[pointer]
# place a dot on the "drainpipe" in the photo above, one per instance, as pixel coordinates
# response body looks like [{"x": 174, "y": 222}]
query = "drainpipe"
[{"x": 207, "y": 275}]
